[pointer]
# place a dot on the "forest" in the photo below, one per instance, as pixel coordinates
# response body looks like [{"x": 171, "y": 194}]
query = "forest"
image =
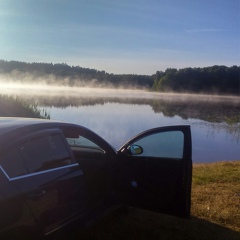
[
  {"x": 213, "y": 79},
  {"x": 63, "y": 74}
]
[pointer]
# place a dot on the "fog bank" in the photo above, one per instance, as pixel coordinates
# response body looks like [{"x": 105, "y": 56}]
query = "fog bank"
[{"x": 19, "y": 89}]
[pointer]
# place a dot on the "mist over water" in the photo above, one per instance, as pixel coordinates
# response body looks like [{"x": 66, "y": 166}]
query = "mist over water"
[
  {"x": 44, "y": 89},
  {"x": 119, "y": 114}
]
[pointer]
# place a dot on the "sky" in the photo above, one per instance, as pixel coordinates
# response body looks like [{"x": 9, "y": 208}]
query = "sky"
[{"x": 122, "y": 36}]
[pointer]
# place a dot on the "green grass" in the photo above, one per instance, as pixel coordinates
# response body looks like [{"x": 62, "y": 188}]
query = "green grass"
[
  {"x": 221, "y": 172},
  {"x": 215, "y": 212}
]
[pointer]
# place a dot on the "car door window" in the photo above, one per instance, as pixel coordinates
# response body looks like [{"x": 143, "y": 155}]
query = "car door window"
[
  {"x": 83, "y": 147},
  {"x": 45, "y": 152},
  {"x": 164, "y": 144},
  {"x": 35, "y": 154},
  {"x": 12, "y": 163},
  {"x": 80, "y": 141}
]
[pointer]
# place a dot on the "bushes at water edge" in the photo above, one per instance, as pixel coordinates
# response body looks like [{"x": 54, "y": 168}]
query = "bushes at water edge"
[{"x": 16, "y": 107}]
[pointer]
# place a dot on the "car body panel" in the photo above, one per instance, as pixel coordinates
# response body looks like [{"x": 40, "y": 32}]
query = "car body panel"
[
  {"x": 14, "y": 212},
  {"x": 55, "y": 192}
]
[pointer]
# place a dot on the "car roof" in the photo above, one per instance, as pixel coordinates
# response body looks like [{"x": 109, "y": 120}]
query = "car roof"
[
  {"x": 10, "y": 127},
  {"x": 10, "y": 123}
]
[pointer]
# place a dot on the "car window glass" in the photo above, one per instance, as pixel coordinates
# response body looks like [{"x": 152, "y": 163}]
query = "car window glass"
[
  {"x": 44, "y": 153},
  {"x": 163, "y": 144},
  {"x": 12, "y": 163},
  {"x": 80, "y": 141},
  {"x": 36, "y": 154}
]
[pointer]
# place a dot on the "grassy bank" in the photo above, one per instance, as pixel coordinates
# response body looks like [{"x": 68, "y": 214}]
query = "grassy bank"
[
  {"x": 15, "y": 107},
  {"x": 215, "y": 212},
  {"x": 216, "y": 193}
]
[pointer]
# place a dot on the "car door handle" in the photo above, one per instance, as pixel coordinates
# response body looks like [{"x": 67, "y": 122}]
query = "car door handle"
[{"x": 36, "y": 194}]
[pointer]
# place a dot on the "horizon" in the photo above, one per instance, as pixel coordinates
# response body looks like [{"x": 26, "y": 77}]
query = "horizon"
[{"x": 121, "y": 37}]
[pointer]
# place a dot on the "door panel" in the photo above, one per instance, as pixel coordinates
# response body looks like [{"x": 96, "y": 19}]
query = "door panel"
[
  {"x": 41, "y": 167},
  {"x": 159, "y": 178},
  {"x": 55, "y": 197}
]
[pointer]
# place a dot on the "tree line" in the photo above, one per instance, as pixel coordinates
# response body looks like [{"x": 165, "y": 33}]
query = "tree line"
[
  {"x": 214, "y": 79},
  {"x": 72, "y": 75}
]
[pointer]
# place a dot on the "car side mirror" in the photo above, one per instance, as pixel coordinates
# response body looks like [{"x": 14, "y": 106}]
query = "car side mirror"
[{"x": 135, "y": 149}]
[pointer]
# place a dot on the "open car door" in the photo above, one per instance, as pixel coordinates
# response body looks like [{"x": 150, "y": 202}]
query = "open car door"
[{"x": 155, "y": 170}]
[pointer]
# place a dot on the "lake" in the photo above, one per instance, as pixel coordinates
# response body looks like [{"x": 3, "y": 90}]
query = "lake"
[{"x": 118, "y": 115}]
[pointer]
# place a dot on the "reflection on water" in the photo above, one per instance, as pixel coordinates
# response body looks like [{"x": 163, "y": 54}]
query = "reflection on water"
[{"x": 119, "y": 115}]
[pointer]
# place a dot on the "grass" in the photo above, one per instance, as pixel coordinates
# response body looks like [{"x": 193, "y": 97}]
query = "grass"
[
  {"x": 216, "y": 193},
  {"x": 215, "y": 212},
  {"x": 15, "y": 107}
]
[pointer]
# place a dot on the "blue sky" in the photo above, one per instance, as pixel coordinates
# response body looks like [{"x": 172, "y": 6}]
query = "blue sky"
[{"x": 122, "y": 36}]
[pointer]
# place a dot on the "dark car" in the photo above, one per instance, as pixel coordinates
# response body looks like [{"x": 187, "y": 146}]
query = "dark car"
[{"x": 52, "y": 173}]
